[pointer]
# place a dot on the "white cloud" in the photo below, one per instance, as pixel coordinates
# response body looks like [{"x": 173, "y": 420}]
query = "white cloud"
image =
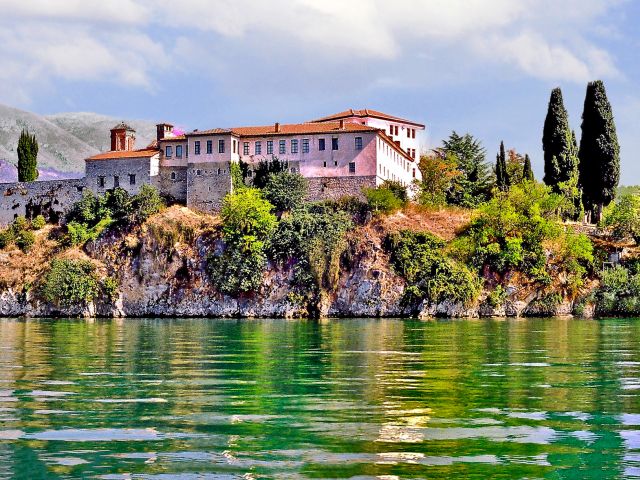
[{"x": 131, "y": 42}]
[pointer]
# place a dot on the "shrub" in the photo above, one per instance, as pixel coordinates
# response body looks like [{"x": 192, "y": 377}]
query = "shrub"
[
  {"x": 25, "y": 240},
  {"x": 19, "y": 224},
  {"x": 110, "y": 288},
  {"x": 622, "y": 218},
  {"x": 6, "y": 238},
  {"x": 382, "y": 200},
  {"x": 70, "y": 282},
  {"x": 619, "y": 292},
  {"x": 246, "y": 212},
  {"x": 146, "y": 203},
  {"x": 265, "y": 168},
  {"x": 285, "y": 190},
  {"x": 38, "y": 223},
  {"x": 240, "y": 268},
  {"x": 430, "y": 275},
  {"x": 398, "y": 189}
]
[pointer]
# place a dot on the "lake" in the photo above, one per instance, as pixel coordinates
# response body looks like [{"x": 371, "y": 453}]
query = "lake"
[{"x": 251, "y": 399}]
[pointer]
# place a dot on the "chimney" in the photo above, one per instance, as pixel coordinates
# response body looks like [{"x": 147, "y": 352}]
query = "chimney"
[
  {"x": 342, "y": 124},
  {"x": 277, "y": 127},
  {"x": 162, "y": 129}
]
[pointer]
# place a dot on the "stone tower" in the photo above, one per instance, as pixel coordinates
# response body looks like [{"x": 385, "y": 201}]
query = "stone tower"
[{"x": 123, "y": 138}]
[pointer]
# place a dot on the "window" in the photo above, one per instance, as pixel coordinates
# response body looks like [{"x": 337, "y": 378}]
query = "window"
[
  {"x": 196, "y": 147},
  {"x": 269, "y": 147},
  {"x": 209, "y": 147},
  {"x": 245, "y": 148},
  {"x": 168, "y": 151},
  {"x": 408, "y": 133},
  {"x": 219, "y": 171},
  {"x": 178, "y": 151},
  {"x": 396, "y": 127},
  {"x": 390, "y": 129},
  {"x": 198, "y": 172},
  {"x": 334, "y": 143},
  {"x": 221, "y": 146},
  {"x": 101, "y": 182},
  {"x": 414, "y": 173},
  {"x": 173, "y": 175},
  {"x": 282, "y": 147},
  {"x": 358, "y": 143},
  {"x": 258, "y": 148},
  {"x": 294, "y": 146},
  {"x": 305, "y": 145},
  {"x": 321, "y": 144},
  {"x": 116, "y": 181},
  {"x": 352, "y": 167},
  {"x": 186, "y": 150},
  {"x": 324, "y": 164},
  {"x": 413, "y": 133},
  {"x": 234, "y": 146},
  {"x": 132, "y": 179}
]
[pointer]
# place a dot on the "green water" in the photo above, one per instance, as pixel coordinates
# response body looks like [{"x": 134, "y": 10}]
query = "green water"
[{"x": 191, "y": 399}]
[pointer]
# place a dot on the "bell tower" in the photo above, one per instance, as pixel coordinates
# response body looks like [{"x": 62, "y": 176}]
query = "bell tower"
[{"x": 123, "y": 138}]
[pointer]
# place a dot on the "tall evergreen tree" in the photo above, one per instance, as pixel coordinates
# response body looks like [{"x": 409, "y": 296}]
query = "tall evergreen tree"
[
  {"x": 560, "y": 156},
  {"x": 27, "y": 157},
  {"x": 473, "y": 185},
  {"x": 502, "y": 175},
  {"x": 599, "y": 151},
  {"x": 527, "y": 171}
]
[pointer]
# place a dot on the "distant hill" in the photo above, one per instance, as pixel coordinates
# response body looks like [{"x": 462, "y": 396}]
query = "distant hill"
[{"x": 65, "y": 140}]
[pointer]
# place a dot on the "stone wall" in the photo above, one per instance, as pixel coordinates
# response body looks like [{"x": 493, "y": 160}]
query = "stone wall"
[
  {"x": 172, "y": 183},
  {"x": 322, "y": 188},
  {"x": 207, "y": 184},
  {"x": 51, "y": 198},
  {"x": 120, "y": 169}
]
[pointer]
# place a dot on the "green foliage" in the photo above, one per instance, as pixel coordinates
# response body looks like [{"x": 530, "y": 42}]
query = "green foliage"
[
  {"x": 27, "y": 157},
  {"x": 110, "y": 288},
  {"x": 438, "y": 173},
  {"x": 619, "y": 292},
  {"x": 473, "y": 184},
  {"x": 382, "y": 200},
  {"x": 313, "y": 240},
  {"x": 247, "y": 225},
  {"x": 92, "y": 215},
  {"x": 497, "y": 296},
  {"x": 25, "y": 240},
  {"x": 527, "y": 171},
  {"x": 237, "y": 175},
  {"x": 6, "y": 238},
  {"x": 38, "y": 223},
  {"x": 573, "y": 256},
  {"x": 70, "y": 282},
  {"x": 430, "y": 275},
  {"x": 20, "y": 224},
  {"x": 622, "y": 218},
  {"x": 502, "y": 175},
  {"x": 265, "y": 168},
  {"x": 398, "y": 189},
  {"x": 599, "y": 150},
  {"x": 247, "y": 213},
  {"x": 285, "y": 190}
]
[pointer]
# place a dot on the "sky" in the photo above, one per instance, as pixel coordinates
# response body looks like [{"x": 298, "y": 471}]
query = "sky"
[{"x": 485, "y": 67}]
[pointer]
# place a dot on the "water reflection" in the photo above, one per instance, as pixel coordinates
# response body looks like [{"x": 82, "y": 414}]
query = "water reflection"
[{"x": 334, "y": 399}]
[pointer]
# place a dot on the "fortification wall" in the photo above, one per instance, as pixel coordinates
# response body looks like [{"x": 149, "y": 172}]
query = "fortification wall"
[
  {"x": 332, "y": 188},
  {"x": 207, "y": 184},
  {"x": 50, "y": 198},
  {"x": 127, "y": 173},
  {"x": 172, "y": 182}
]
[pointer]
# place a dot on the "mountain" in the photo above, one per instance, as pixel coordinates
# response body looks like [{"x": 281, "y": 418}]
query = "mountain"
[{"x": 65, "y": 140}]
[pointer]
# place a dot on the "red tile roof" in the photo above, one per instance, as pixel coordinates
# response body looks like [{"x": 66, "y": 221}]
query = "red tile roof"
[
  {"x": 367, "y": 113},
  {"x": 125, "y": 154},
  {"x": 286, "y": 129},
  {"x": 177, "y": 138}
]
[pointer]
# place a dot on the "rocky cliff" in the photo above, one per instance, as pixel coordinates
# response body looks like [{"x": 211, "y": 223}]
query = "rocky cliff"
[{"x": 161, "y": 271}]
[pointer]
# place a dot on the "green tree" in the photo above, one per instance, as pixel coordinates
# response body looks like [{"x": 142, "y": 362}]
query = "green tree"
[
  {"x": 438, "y": 172},
  {"x": 560, "y": 154},
  {"x": 267, "y": 167},
  {"x": 285, "y": 190},
  {"x": 27, "y": 157},
  {"x": 599, "y": 151},
  {"x": 473, "y": 184},
  {"x": 502, "y": 176},
  {"x": 527, "y": 171}
]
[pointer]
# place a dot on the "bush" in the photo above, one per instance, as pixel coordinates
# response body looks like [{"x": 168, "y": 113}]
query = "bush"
[
  {"x": 267, "y": 167},
  {"x": 146, "y": 203},
  {"x": 25, "y": 240},
  {"x": 247, "y": 225},
  {"x": 285, "y": 190},
  {"x": 70, "y": 282},
  {"x": 382, "y": 200},
  {"x": 430, "y": 275},
  {"x": 38, "y": 223},
  {"x": 398, "y": 189},
  {"x": 6, "y": 238},
  {"x": 110, "y": 288},
  {"x": 622, "y": 218},
  {"x": 19, "y": 224}
]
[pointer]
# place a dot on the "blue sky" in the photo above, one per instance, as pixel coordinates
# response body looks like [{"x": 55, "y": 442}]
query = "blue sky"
[{"x": 481, "y": 66}]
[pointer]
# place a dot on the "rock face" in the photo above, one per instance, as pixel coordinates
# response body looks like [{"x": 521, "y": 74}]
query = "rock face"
[{"x": 162, "y": 277}]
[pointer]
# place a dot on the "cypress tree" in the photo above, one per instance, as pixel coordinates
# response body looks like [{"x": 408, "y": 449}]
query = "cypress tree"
[
  {"x": 599, "y": 151},
  {"x": 527, "y": 171},
  {"x": 27, "y": 157},
  {"x": 502, "y": 176},
  {"x": 560, "y": 156}
]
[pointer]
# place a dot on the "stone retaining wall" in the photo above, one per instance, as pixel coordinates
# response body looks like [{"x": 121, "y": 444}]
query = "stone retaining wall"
[{"x": 322, "y": 188}]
